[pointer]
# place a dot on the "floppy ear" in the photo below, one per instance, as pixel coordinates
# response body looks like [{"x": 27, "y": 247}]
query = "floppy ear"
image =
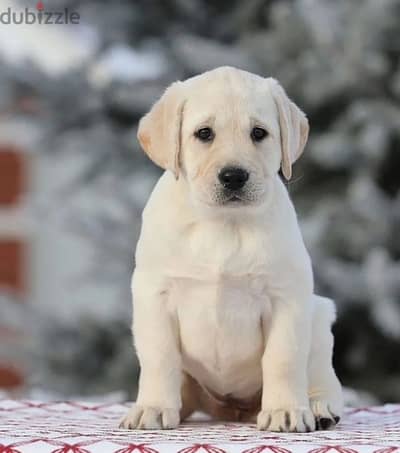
[
  {"x": 293, "y": 125},
  {"x": 159, "y": 130}
]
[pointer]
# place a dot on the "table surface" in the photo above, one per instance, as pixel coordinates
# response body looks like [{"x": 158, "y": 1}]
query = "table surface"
[{"x": 78, "y": 427}]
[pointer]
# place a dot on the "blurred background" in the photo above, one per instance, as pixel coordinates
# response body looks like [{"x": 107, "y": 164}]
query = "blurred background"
[{"x": 73, "y": 180}]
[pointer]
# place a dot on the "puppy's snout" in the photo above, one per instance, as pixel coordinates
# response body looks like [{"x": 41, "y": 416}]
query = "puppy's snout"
[{"x": 233, "y": 178}]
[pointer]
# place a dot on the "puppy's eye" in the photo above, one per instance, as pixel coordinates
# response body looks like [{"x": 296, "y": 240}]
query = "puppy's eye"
[
  {"x": 258, "y": 133},
  {"x": 205, "y": 134}
]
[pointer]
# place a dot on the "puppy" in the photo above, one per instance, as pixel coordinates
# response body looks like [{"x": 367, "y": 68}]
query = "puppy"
[{"x": 225, "y": 318}]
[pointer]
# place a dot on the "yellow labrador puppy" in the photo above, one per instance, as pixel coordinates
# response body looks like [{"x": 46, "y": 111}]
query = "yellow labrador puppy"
[{"x": 225, "y": 318}]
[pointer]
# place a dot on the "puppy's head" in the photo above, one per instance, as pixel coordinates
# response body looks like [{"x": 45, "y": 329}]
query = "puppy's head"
[{"x": 226, "y": 132}]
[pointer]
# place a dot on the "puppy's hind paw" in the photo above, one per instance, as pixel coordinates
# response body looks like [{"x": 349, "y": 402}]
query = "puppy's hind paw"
[
  {"x": 144, "y": 417},
  {"x": 297, "y": 420}
]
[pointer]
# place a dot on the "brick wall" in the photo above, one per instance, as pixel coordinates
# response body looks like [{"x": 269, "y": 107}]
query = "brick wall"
[{"x": 13, "y": 248}]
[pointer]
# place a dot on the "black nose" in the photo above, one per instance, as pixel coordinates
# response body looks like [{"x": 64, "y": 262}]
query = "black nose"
[{"x": 233, "y": 178}]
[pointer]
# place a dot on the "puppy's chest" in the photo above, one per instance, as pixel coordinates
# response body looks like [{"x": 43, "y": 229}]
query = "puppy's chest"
[
  {"x": 220, "y": 323},
  {"x": 218, "y": 290}
]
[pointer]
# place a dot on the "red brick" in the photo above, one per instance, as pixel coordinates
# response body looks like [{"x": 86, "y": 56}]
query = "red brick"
[
  {"x": 12, "y": 175},
  {"x": 12, "y": 265}
]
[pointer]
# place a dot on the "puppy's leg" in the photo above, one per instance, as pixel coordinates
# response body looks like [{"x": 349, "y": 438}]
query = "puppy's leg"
[
  {"x": 325, "y": 391},
  {"x": 285, "y": 405},
  {"x": 155, "y": 333}
]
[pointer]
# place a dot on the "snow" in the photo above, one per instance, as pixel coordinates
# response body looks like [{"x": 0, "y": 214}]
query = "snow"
[{"x": 123, "y": 64}]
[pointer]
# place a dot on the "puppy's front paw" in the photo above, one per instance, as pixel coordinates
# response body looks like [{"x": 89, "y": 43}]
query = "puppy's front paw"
[
  {"x": 144, "y": 417},
  {"x": 327, "y": 414},
  {"x": 295, "y": 420}
]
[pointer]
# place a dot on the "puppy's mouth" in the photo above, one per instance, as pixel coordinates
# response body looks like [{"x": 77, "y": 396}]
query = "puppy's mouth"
[
  {"x": 248, "y": 196},
  {"x": 234, "y": 199}
]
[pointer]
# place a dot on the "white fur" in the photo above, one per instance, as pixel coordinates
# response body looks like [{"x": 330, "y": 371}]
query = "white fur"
[{"x": 225, "y": 294}]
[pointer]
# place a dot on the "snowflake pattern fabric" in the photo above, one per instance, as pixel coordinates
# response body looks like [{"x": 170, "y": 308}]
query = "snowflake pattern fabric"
[{"x": 77, "y": 427}]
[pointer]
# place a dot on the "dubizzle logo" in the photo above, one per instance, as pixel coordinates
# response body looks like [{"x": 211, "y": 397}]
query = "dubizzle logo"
[{"x": 39, "y": 16}]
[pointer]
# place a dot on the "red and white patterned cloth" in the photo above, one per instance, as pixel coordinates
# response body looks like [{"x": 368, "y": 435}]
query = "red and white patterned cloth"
[{"x": 76, "y": 427}]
